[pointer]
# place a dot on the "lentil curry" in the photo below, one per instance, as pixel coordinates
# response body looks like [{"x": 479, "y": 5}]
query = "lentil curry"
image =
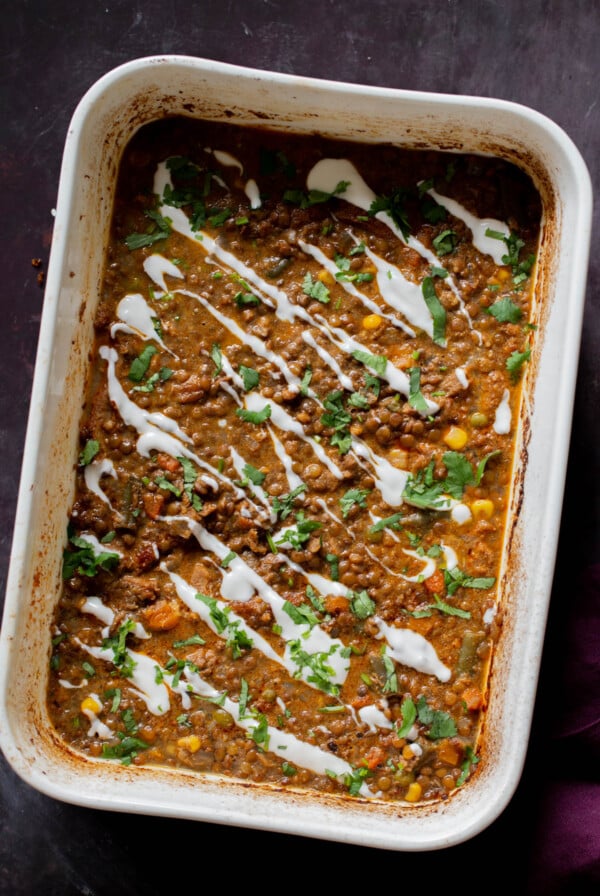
[{"x": 296, "y": 455}]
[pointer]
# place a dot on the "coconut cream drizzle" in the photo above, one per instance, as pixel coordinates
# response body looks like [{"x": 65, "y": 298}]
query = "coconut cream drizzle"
[
  {"x": 240, "y": 463},
  {"x": 478, "y": 226},
  {"x": 97, "y": 728},
  {"x": 350, "y": 288},
  {"x": 411, "y": 649},
  {"x": 328, "y": 173},
  {"x": 92, "y": 474},
  {"x": 97, "y": 547},
  {"x": 155, "y": 695},
  {"x": 253, "y": 193},
  {"x": 283, "y": 744},
  {"x": 276, "y": 298},
  {"x": 502, "y": 418},
  {"x": 246, "y": 582},
  {"x": 157, "y": 432},
  {"x": 137, "y": 318}
]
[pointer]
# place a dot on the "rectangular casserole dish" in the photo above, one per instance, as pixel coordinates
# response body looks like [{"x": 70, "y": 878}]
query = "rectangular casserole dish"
[{"x": 109, "y": 114}]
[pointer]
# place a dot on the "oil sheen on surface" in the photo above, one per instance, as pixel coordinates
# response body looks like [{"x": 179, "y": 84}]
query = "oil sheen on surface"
[{"x": 295, "y": 462}]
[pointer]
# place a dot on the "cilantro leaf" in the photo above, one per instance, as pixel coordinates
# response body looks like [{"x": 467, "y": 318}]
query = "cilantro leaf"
[
  {"x": 378, "y": 363},
  {"x": 445, "y": 242},
  {"x": 315, "y": 289},
  {"x": 408, "y": 712},
  {"x": 354, "y": 496},
  {"x": 516, "y": 361},
  {"x": 416, "y": 398},
  {"x": 159, "y": 229},
  {"x": 361, "y": 604},
  {"x": 505, "y": 311},
  {"x": 283, "y": 505},
  {"x": 436, "y": 309},
  {"x": 250, "y": 377},
  {"x": 89, "y": 452},
  {"x": 394, "y": 205},
  {"x": 254, "y": 416},
  {"x": 139, "y": 367}
]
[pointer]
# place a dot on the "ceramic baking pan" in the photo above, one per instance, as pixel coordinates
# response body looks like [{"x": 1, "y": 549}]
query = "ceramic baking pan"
[{"x": 108, "y": 115}]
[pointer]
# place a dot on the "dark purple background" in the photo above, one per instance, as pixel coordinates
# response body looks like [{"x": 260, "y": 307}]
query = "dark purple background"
[{"x": 540, "y": 53}]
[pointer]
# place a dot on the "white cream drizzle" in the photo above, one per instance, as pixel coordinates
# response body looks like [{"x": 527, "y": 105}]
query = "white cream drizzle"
[
  {"x": 157, "y": 267},
  {"x": 253, "y": 193},
  {"x": 478, "y": 226},
  {"x": 430, "y": 563},
  {"x": 92, "y": 474},
  {"x": 411, "y": 649},
  {"x": 155, "y": 695},
  {"x": 294, "y": 481},
  {"x": 314, "y": 640},
  {"x": 239, "y": 463},
  {"x": 226, "y": 158},
  {"x": 350, "y": 288},
  {"x": 137, "y": 318},
  {"x": 97, "y": 547},
  {"x": 502, "y": 419},
  {"x": 374, "y": 717},
  {"x": 97, "y": 728},
  {"x": 283, "y": 744},
  {"x": 461, "y": 376},
  {"x": 329, "y": 360},
  {"x": 327, "y": 173}
]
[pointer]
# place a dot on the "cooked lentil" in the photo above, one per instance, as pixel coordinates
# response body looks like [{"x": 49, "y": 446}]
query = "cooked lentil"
[{"x": 296, "y": 456}]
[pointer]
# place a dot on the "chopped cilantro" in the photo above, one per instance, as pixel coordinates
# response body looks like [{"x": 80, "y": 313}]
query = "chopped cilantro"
[
  {"x": 159, "y": 229},
  {"x": 505, "y": 311},
  {"x": 515, "y": 363},
  {"x": 250, "y": 377},
  {"x": 351, "y": 497},
  {"x": 389, "y": 522},
  {"x": 139, "y": 367},
  {"x": 90, "y": 450},
  {"x": 361, "y": 604},
  {"x": 315, "y": 289},
  {"x": 436, "y": 309},
  {"x": 254, "y": 416},
  {"x": 283, "y": 505},
  {"x": 445, "y": 242},
  {"x": 394, "y": 205}
]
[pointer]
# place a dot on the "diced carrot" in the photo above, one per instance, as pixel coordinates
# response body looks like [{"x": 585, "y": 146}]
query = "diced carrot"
[
  {"x": 374, "y": 757},
  {"x": 435, "y": 584},
  {"x": 336, "y": 603},
  {"x": 153, "y": 504},
  {"x": 166, "y": 462},
  {"x": 473, "y": 698},
  {"x": 161, "y": 616},
  {"x": 449, "y": 754}
]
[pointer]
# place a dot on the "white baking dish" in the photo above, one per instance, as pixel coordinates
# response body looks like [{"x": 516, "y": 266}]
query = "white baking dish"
[{"x": 107, "y": 116}]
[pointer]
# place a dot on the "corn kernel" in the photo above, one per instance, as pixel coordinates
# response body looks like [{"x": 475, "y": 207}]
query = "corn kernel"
[
  {"x": 503, "y": 274},
  {"x": 455, "y": 438},
  {"x": 398, "y": 457},
  {"x": 414, "y": 792},
  {"x": 191, "y": 743},
  {"x": 372, "y": 321},
  {"x": 325, "y": 277},
  {"x": 483, "y": 508},
  {"x": 90, "y": 705}
]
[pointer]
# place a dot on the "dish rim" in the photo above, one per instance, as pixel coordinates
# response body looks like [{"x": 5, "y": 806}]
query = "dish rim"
[{"x": 158, "y": 803}]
